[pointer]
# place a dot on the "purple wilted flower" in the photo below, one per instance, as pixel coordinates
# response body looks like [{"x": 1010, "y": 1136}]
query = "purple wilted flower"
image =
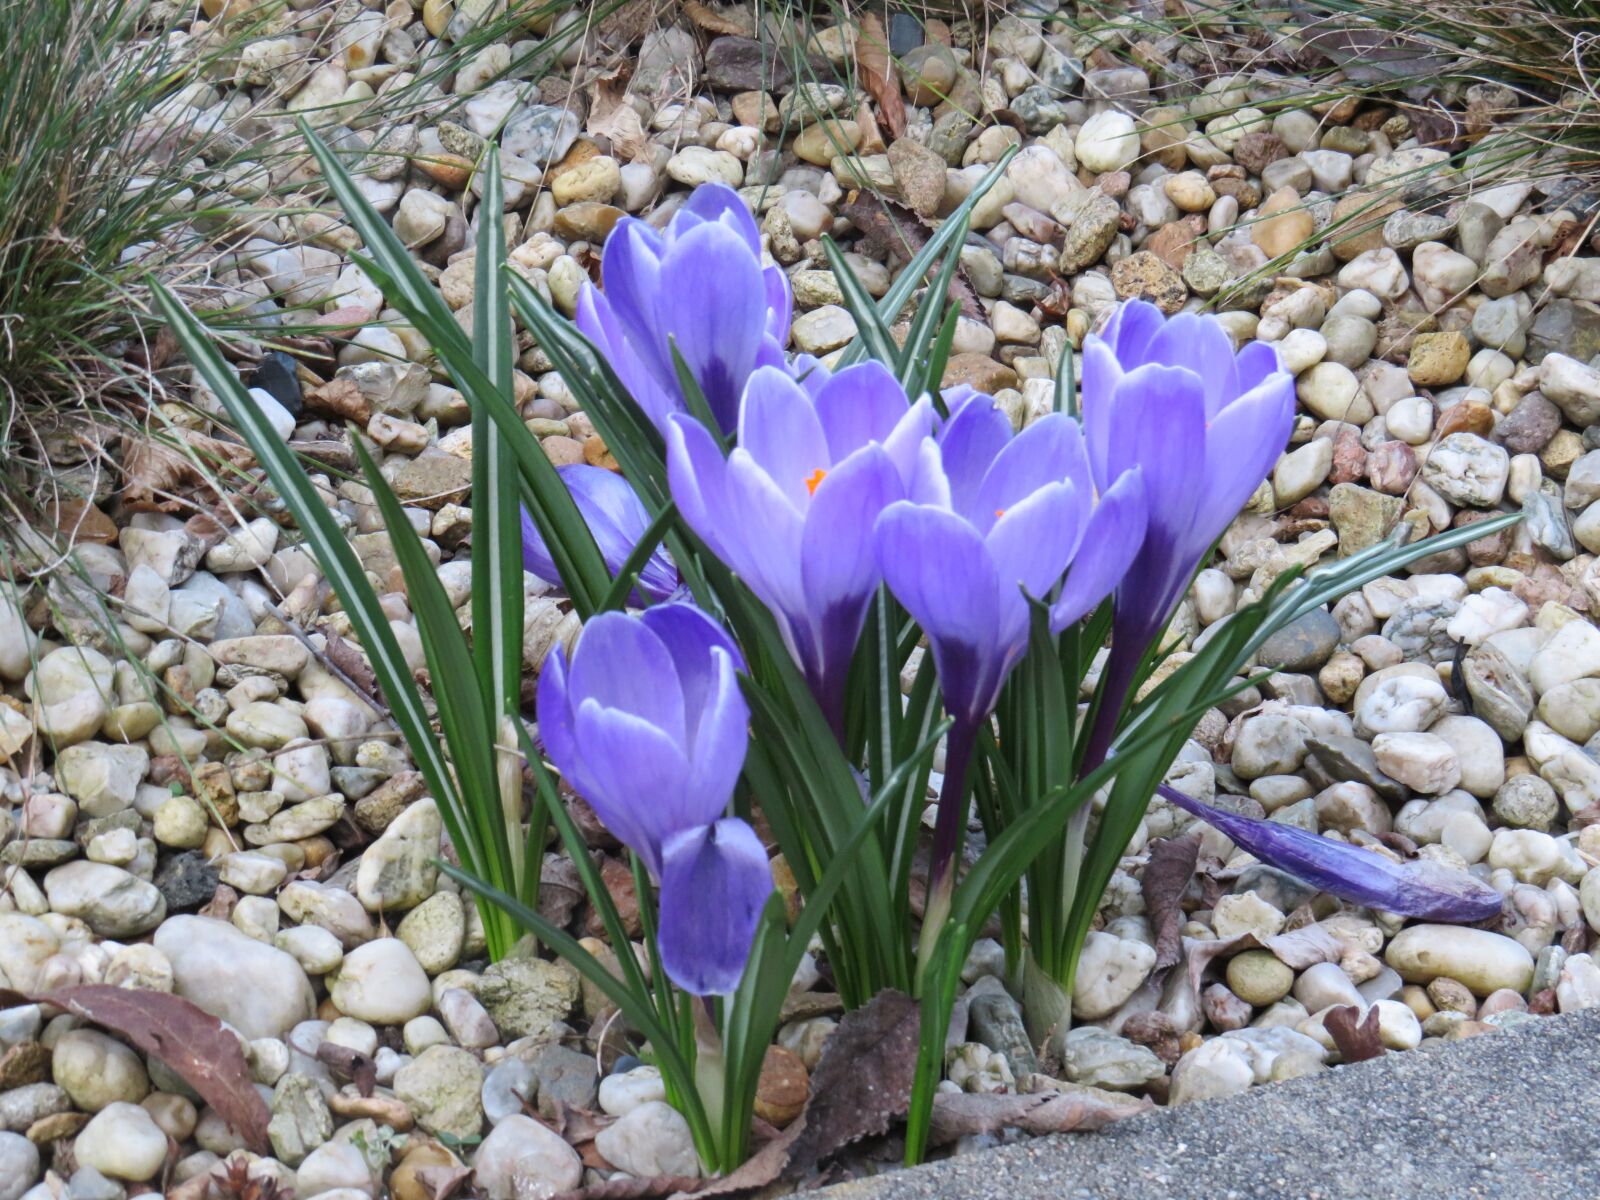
[
  {"x": 999, "y": 516},
  {"x": 791, "y": 508},
  {"x": 700, "y": 284},
  {"x": 1418, "y": 888},
  {"x": 1206, "y": 425},
  {"x": 616, "y": 517},
  {"x": 648, "y": 724}
]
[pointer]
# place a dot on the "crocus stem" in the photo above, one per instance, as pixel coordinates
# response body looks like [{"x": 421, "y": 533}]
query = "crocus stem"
[
  {"x": 947, "y": 829},
  {"x": 1121, "y": 667}
]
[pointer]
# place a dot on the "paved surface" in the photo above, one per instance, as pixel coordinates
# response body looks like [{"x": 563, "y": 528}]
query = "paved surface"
[{"x": 1510, "y": 1116}]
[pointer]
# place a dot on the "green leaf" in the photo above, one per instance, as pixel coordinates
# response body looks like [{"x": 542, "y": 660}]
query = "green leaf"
[
  {"x": 571, "y": 545},
  {"x": 872, "y": 330},
  {"x": 334, "y": 553},
  {"x": 907, "y": 282}
]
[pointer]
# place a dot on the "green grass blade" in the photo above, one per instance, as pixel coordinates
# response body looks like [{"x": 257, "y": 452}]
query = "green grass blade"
[{"x": 872, "y": 329}]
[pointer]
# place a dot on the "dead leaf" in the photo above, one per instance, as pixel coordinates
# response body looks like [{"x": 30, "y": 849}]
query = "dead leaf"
[
  {"x": 735, "y": 22},
  {"x": 221, "y": 904},
  {"x": 1166, "y": 876},
  {"x": 757, "y": 1171},
  {"x": 560, "y": 890},
  {"x": 956, "y": 1115},
  {"x": 351, "y": 1064},
  {"x": 159, "y": 474},
  {"x": 189, "y": 1040},
  {"x": 864, "y": 1079},
  {"x": 878, "y": 73},
  {"x": 898, "y": 231},
  {"x": 1356, "y": 1038},
  {"x": 1297, "y": 950},
  {"x": 622, "y": 127},
  {"x": 353, "y": 665}
]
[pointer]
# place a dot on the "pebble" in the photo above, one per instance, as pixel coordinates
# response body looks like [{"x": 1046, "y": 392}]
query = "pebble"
[
  {"x": 1483, "y": 961},
  {"x": 382, "y": 982},
  {"x": 522, "y": 1157}
]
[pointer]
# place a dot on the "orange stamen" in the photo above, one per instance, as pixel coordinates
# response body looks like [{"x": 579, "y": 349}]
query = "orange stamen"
[
  {"x": 999, "y": 512},
  {"x": 814, "y": 480}
]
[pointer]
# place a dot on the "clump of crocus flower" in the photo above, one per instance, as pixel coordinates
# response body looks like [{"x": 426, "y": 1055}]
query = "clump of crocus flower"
[
  {"x": 791, "y": 508},
  {"x": 647, "y": 724},
  {"x": 997, "y": 519},
  {"x": 698, "y": 286},
  {"x": 1205, "y": 425}
]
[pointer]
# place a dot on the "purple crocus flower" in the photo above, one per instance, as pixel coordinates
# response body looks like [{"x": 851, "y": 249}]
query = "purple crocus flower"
[
  {"x": 701, "y": 285},
  {"x": 648, "y": 725},
  {"x": 616, "y": 517},
  {"x": 1206, "y": 425},
  {"x": 1418, "y": 888},
  {"x": 791, "y": 508},
  {"x": 999, "y": 516}
]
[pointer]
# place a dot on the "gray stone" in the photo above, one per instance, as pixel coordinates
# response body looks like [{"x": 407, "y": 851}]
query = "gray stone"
[{"x": 1302, "y": 645}]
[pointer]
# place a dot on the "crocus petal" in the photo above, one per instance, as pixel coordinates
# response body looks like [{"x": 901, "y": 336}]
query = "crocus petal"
[
  {"x": 838, "y": 562},
  {"x": 1200, "y": 344},
  {"x": 1112, "y": 540},
  {"x": 715, "y": 710},
  {"x": 714, "y": 883},
  {"x": 968, "y": 444},
  {"x": 621, "y": 664},
  {"x": 536, "y": 558},
  {"x": 1101, "y": 375},
  {"x": 712, "y": 299},
  {"x": 1418, "y": 888},
  {"x": 1045, "y": 452},
  {"x": 905, "y": 440},
  {"x": 810, "y": 373},
  {"x": 939, "y": 568},
  {"x": 639, "y": 778},
  {"x": 1242, "y": 444},
  {"x": 780, "y": 431},
  {"x": 860, "y": 404},
  {"x": 1033, "y": 542},
  {"x": 697, "y": 477},
  {"x": 1131, "y": 328},
  {"x": 927, "y": 483},
  {"x": 719, "y": 203},
  {"x": 762, "y": 532},
  {"x": 780, "y": 303},
  {"x": 556, "y": 724},
  {"x": 630, "y": 268}
]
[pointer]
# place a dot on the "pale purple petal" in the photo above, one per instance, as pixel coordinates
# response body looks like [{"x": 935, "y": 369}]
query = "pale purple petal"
[
  {"x": 1033, "y": 542},
  {"x": 968, "y": 445},
  {"x": 1101, "y": 375},
  {"x": 860, "y": 404},
  {"x": 1045, "y": 452},
  {"x": 556, "y": 723},
  {"x": 620, "y": 664},
  {"x": 719, "y": 203},
  {"x": 714, "y": 884},
  {"x": 1417, "y": 888},
  {"x": 1200, "y": 344},
  {"x": 716, "y": 713},
  {"x": 639, "y": 777},
  {"x": 810, "y": 373},
  {"x": 1131, "y": 328},
  {"x": 1241, "y": 446},
  {"x": 697, "y": 476},
  {"x": 779, "y": 429},
  {"x": 905, "y": 441},
  {"x": 630, "y": 268},
  {"x": 1111, "y": 541},
  {"x": 712, "y": 300},
  {"x": 780, "y": 304},
  {"x": 536, "y": 558},
  {"x": 762, "y": 532}
]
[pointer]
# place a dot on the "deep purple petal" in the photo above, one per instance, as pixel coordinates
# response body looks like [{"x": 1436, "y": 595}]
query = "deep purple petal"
[
  {"x": 839, "y": 564},
  {"x": 938, "y": 567},
  {"x": 712, "y": 300},
  {"x": 860, "y": 404},
  {"x": 638, "y": 776},
  {"x": 780, "y": 431},
  {"x": 1418, "y": 888},
  {"x": 1112, "y": 540},
  {"x": 714, "y": 883},
  {"x": 621, "y": 664}
]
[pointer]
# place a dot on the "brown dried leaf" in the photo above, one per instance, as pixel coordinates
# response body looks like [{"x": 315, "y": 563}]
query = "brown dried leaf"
[
  {"x": 899, "y": 232},
  {"x": 760, "y": 1169},
  {"x": 221, "y": 904},
  {"x": 1166, "y": 876},
  {"x": 189, "y": 1040},
  {"x": 622, "y": 127},
  {"x": 1356, "y": 1038},
  {"x": 560, "y": 890},
  {"x": 1044, "y": 1112},
  {"x": 1297, "y": 950},
  {"x": 353, "y": 665},
  {"x": 734, "y": 21},
  {"x": 864, "y": 1079},
  {"x": 350, "y": 1064},
  {"x": 878, "y": 74}
]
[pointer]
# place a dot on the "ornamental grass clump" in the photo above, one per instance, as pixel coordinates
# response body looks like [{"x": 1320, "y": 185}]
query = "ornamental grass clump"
[{"x": 807, "y": 578}]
